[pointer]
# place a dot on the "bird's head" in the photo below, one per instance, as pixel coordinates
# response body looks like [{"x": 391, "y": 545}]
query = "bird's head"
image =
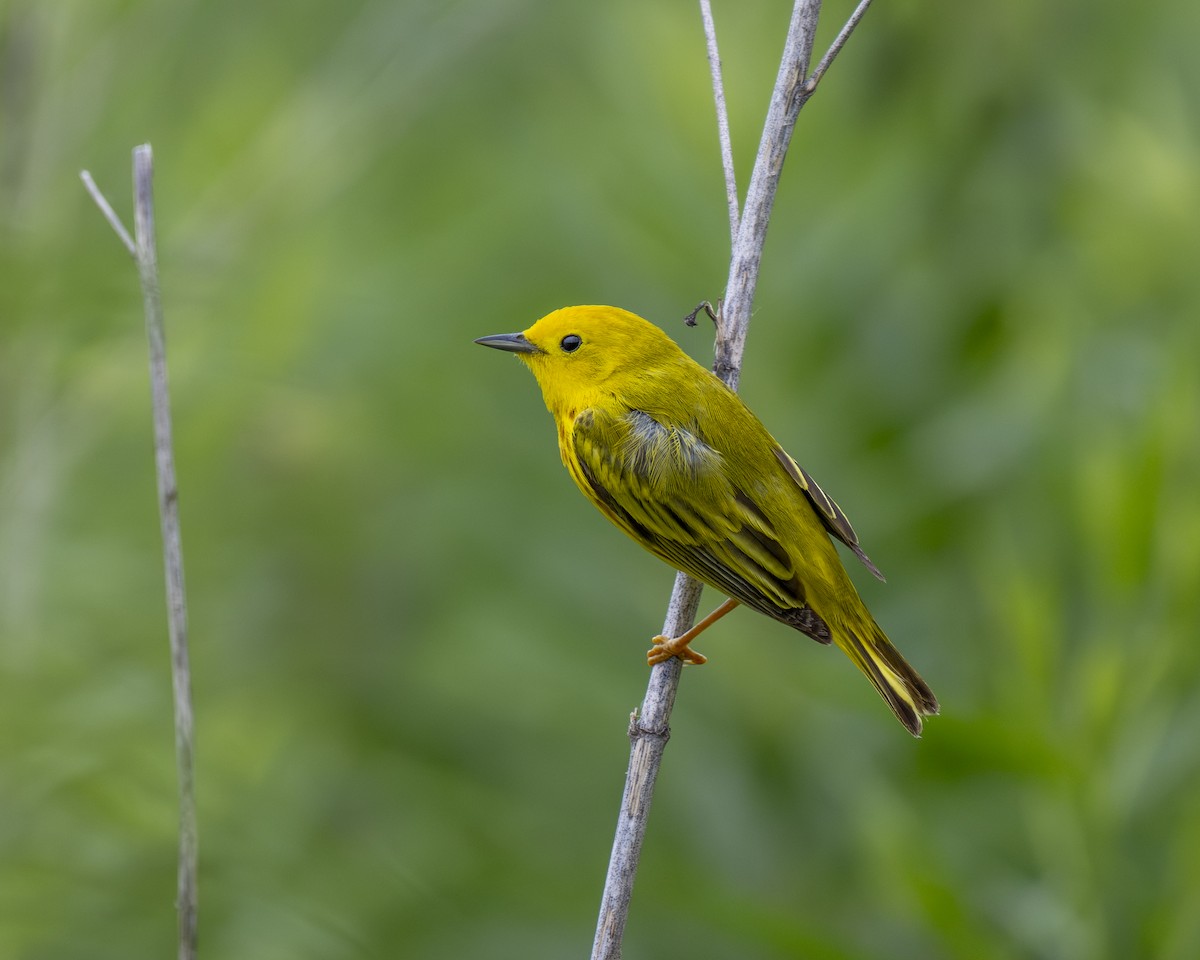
[{"x": 577, "y": 353}]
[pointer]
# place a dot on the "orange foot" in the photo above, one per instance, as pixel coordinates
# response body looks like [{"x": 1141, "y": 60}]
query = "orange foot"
[{"x": 665, "y": 648}]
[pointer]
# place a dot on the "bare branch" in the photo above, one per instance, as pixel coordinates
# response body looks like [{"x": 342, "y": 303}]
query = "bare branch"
[
  {"x": 146, "y": 255},
  {"x": 650, "y": 728},
  {"x": 714, "y": 64},
  {"x": 649, "y": 731},
  {"x": 168, "y": 505}
]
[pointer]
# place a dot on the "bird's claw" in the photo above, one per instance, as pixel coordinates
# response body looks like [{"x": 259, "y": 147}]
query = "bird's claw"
[{"x": 665, "y": 648}]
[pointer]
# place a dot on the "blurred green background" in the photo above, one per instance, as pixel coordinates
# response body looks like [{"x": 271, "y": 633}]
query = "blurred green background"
[{"x": 416, "y": 647}]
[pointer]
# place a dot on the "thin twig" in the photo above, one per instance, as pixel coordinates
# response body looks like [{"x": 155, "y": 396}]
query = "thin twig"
[
  {"x": 714, "y": 64},
  {"x": 145, "y": 252},
  {"x": 168, "y": 503},
  {"x": 109, "y": 213},
  {"x": 810, "y": 86}
]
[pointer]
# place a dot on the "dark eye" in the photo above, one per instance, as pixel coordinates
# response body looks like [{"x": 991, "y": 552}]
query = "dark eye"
[{"x": 570, "y": 343}]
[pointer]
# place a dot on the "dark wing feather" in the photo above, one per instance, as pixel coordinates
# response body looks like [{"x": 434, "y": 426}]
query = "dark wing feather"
[
  {"x": 830, "y": 513},
  {"x": 668, "y": 490}
]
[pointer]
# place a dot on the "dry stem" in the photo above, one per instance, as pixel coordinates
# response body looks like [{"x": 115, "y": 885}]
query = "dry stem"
[
  {"x": 143, "y": 249},
  {"x": 649, "y": 728}
]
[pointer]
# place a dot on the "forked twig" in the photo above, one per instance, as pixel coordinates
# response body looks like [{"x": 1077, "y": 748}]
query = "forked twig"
[
  {"x": 810, "y": 86},
  {"x": 143, "y": 249},
  {"x": 649, "y": 728}
]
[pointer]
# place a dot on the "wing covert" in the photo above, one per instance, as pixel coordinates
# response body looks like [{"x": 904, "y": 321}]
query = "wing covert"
[{"x": 666, "y": 488}]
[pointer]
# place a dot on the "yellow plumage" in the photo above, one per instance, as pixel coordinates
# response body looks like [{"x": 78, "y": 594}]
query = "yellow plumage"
[{"x": 675, "y": 459}]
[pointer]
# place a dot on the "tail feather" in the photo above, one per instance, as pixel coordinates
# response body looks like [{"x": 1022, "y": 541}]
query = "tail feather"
[{"x": 898, "y": 683}]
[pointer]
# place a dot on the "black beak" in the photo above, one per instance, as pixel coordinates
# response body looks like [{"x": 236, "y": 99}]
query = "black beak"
[{"x": 512, "y": 342}]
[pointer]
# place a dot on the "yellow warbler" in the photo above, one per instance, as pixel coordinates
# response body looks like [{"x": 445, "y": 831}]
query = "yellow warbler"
[{"x": 675, "y": 459}]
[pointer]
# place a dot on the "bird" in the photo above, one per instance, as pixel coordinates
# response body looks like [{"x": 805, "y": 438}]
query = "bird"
[{"x": 677, "y": 461}]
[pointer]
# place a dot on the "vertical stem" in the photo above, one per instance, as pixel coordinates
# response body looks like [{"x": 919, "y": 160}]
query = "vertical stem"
[
  {"x": 168, "y": 505},
  {"x": 650, "y": 728}
]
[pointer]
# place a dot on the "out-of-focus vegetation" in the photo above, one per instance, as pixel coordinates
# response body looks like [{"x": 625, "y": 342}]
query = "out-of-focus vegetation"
[{"x": 415, "y": 646}]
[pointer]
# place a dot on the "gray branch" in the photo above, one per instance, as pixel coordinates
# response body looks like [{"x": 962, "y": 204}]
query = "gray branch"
[
  {"x": 714, "y": 65},
  {"x": 649, "y": 728},
  {"x": 786, "y": 101},
  {"x": 144, "y": 250},
  {"x": 649, "y": 731}
]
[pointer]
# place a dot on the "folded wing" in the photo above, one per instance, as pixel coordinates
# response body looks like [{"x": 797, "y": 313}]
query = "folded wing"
[
  {"x": 830, "y": 513},
  {"x": 670, "y": 491}
]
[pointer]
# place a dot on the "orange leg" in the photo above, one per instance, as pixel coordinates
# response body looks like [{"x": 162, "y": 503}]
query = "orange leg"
[{"x": 665, "y": 648}]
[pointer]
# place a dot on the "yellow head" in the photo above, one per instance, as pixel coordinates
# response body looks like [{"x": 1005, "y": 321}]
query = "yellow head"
[{"x": 580, "y": 353}]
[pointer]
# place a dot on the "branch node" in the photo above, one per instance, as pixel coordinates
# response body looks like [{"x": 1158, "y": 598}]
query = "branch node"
[
  {"x": 640, "y": 731},
  {"x": 725, "y": 368}
]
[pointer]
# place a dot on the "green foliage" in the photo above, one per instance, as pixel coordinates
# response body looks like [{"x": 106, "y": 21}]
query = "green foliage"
[{"x": 414, "y": 644}]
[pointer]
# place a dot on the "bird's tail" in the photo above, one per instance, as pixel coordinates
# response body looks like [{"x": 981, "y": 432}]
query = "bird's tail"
[{"x": 898, "y": 683}]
